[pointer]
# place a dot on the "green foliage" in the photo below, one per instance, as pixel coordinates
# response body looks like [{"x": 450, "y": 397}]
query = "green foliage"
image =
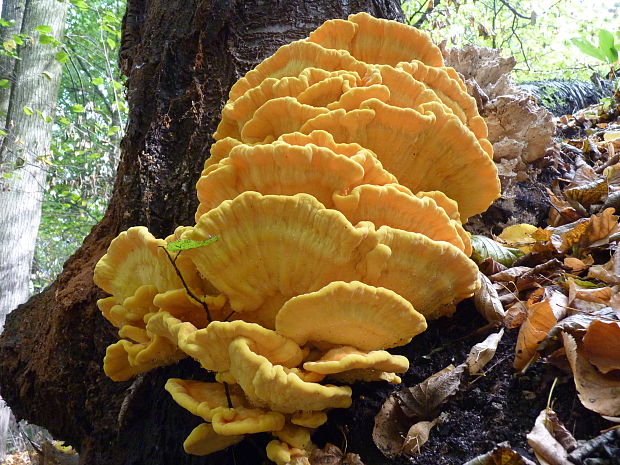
[
  {"x": 90, "y": 115},
  {"x": 537, "y": 34},
  {"x": 607, "y": 49}
]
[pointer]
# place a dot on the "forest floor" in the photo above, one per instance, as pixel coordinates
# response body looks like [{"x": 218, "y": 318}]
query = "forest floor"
[{"x": 500, "y": 406}]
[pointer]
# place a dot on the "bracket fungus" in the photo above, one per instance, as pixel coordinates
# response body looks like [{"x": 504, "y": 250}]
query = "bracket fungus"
[{"x": 343, "y": 169}]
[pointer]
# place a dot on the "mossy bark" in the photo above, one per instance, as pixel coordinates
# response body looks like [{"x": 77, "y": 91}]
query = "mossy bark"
[{"x": 180, "y": 57}]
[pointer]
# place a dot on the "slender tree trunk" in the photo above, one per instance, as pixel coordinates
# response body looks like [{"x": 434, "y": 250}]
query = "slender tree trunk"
[
  {"x": 34, "y": 80},
  {"x": 181, "y": 57}
]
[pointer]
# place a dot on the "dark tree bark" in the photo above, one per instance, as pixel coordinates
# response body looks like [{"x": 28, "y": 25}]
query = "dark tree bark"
[{"x": 181, "y": 57}]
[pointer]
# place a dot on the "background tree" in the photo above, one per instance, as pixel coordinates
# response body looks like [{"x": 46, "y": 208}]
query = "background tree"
[
  {"x": 30, "y": 82},
  {"x": 91, "y": 115},
  {"x": 180, "y": 57}
]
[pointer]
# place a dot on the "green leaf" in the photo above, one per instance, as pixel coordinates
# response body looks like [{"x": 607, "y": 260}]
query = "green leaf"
[
  {"x": 4, "y": 83},
  {"x": 77, "y": 108},
  {"x": 44, "y": 29},
  {"x": 111, "y": 43},
  {"x": 606, "y": 45},
  {"x": 5, "y": 23},
  {"x": 29, "y": 111},
  {"x": 62, "y": 57},
  {"x": 97, "y": 81},
  {"x": 187, "y": 244},
  {"x": 587, "y": 48},
  {"x": 484, "y": 247},
  {"x": 45, "y": 39},
  {"x": 81, "y": 4},
  {"x": 64, "y": 121},
  {"x": 3, "y": 133}
]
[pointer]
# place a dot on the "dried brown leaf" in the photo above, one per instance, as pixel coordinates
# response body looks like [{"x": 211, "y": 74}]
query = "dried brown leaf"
[
  {"x": 576, "y": 265},
  {"x": 390, "y": 425},
  {"x": 417, "y": 436},
  {"x": 543, "y": 440},
  {"x": 597, "y": 392},
  {"x": 332, "y": 455},
  {"x": 561, "y": 211},
  {"x": 609, "y": 272},
  {"x": 533, "y": 331},
  {"x": 501, "y": 455},
  {"x": 487, "y": 301},
  {"x": 483, "y": 352},
  {"x": 423, "y": 400},
  {"x": 510, "y": 274},
  {"x": 601, "y": 345},
  {"x": 515, "y": 315},
  {"x": 588, "y": 193}
]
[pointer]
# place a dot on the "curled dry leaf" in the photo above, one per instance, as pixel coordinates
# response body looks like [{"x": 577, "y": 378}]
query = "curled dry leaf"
[
  {"x": 483, "y": 352},
  {"x": 423, "y": 400},
  {"x": 609, "y": 272},
  {"x": 332, "y": 455},
  {"x": 561, "y": 212},
  {"x": 597, "y": 392},
  {"x": 577, "y": 290},
  {"x": 487, "y": 301},
  {"x": 576, "y": 325},
  {"x": 588, "y": 193},
  {"x": 550, "y": 439},
  {"x": 576, "y": 265},
  {"x": 501, "y": 455},
  {"x": 516, "y": 315},
  {"x": 590, "y": 232},
  {"x": 391, "y": 423},
  {"x": 601, "y": 345},
  {"x": 540, "y": 320},
  {"x": 417, "y": 436},
  {"x": 510, "y": 274}
]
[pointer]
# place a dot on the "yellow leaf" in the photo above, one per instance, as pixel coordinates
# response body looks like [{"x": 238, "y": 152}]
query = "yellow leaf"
[
  {"x": 519, "y": 236},
  {"x": 611, "y": 135}
]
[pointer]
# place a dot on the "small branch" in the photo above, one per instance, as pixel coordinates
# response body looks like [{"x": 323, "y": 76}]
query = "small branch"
[
  {"x": 514, "y": 11},
  {"x": 422, "y": 19},
  {"x": 187, "y": 289}
]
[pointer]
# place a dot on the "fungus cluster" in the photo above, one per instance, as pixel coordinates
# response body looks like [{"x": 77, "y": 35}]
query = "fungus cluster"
[{"x": 343, "y": 167}]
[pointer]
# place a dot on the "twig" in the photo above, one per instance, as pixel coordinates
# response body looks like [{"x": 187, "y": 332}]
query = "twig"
[{"x": 187, "y": 289}]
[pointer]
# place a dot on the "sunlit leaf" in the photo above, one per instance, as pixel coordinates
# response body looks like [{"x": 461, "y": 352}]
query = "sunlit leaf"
[
  {"x": 29, "y": 111},
  {"x": 62, "y": 57},
  {"x": 77, "y": 108},
  {"x": 187, "y": 244},
  {"x": 540, "y": 320},
  {"x": 5, "y": 83},
  {"x": 601, "y": 345},
  {"x": 44, "y": 29}
]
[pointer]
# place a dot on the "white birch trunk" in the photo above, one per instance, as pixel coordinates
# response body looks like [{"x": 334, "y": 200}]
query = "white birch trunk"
[{"x": 35, "y": 79}]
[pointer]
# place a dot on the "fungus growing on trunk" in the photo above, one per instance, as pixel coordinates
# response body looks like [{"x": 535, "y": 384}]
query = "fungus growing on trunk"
[{"x": 343, "y": 168}]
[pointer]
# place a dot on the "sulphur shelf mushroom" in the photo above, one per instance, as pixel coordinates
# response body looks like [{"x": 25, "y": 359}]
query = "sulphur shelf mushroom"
[{"x": 343, "y": 169}]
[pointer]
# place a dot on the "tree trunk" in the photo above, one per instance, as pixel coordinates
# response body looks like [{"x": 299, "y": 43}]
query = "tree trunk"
[
  {"x": 30, "y": 98},
  {"x": 181, "y": 57}
]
